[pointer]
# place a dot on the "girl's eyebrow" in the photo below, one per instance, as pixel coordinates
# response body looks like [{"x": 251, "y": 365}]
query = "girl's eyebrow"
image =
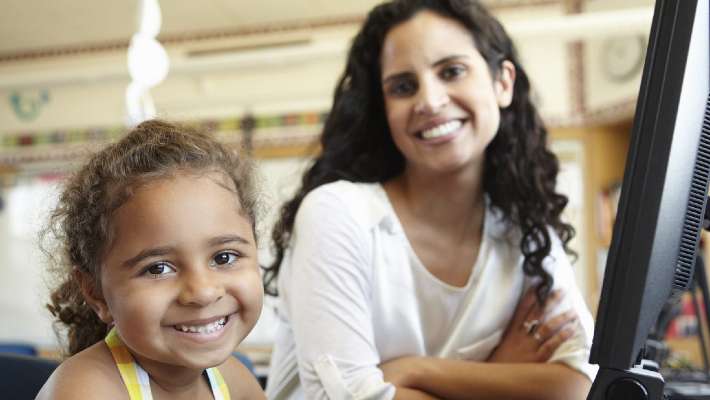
[
  {"x": 161, "y": 251},
  {"x": 434, "y": 64},
  {"x": 147, "y": 253},
  {"x": 227, "y": 239}
]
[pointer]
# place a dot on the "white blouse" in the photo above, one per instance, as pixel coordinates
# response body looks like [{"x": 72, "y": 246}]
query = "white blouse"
[{"x": 353, "y": 294}]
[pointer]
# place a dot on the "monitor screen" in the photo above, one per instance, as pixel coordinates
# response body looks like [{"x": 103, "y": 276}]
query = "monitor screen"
[{"x": 663, "y": 195}]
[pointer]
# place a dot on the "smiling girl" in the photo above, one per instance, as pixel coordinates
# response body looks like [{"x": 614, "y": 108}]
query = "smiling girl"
[{"x": 158, "y": 278}]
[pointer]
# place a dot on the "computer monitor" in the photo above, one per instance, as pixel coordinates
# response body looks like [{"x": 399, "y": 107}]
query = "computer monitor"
[{"x": 662, "y": 203}]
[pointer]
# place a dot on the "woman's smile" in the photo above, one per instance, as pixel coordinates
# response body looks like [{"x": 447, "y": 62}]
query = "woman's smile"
[{"x": 441, "y": 132}]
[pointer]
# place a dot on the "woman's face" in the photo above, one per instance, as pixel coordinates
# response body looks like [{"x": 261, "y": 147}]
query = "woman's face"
[{"x": 442, "y": 104}]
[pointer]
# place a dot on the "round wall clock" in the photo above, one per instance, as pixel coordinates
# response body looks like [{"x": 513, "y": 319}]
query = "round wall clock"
[{"x": 622, "y": 57}]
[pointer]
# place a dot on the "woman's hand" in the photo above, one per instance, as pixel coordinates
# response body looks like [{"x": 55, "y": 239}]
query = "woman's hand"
[
  {"x": 403, "y": 371},
  {"x": 530, "y": 335}
]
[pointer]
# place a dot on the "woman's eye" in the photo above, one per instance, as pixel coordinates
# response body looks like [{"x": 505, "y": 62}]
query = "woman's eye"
[
  {"x": 402, "y": 87},
  {"x": 452, "y": 72},
  {"x": 224, "y": 258},
  {"x": 159, "y": 269}
]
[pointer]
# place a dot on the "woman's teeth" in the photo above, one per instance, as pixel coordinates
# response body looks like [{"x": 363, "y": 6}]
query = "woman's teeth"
[
  {"x": 441, "y": 130},
  {"x": 207, "y": 328}
]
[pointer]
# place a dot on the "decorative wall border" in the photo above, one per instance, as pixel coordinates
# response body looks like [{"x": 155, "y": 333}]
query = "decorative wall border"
[
  {"x": 265, "y": 131},
  {"x": 611, "y": 114},
  {"x": 269, "y": 135},
  {"x": 102, "y": 134}
]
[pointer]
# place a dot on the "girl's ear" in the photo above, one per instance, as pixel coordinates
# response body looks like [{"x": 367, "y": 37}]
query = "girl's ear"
[{"x": 93, "y": 296}]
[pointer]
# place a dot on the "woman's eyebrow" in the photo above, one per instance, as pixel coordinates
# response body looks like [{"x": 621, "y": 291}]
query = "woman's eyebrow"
[
  {"x": 450, "y": 58},
  {"x": 395, "y": 76}
]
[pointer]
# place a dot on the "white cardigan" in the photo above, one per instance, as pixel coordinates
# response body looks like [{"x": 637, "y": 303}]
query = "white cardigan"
[{"x": 354, "y": 294}]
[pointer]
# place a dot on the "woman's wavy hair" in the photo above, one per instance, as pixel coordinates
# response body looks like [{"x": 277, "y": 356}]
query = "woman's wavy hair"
[
  {"x": 80, "y": 227},
  {"x": 519, "y": 174}
]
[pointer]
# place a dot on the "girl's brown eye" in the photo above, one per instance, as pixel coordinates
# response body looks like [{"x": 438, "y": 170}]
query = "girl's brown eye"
[
  {"x": 159, "y": 269},
  {"x": 224, "y": 258}
]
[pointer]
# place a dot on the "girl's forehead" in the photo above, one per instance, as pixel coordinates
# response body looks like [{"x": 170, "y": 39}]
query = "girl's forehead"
[
  {"x": 190, "y": 183},
  {"x": 176, "y": 176},
  {"x": 185, "y": 212},
  {"x": 182, "y": 190}
]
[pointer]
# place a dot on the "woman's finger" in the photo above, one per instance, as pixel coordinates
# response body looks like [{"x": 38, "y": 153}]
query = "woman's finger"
[
  {"x": 550, "y": 327},
  {"x": 522, "y": 311},
  {"x": 549, "y": 346}
]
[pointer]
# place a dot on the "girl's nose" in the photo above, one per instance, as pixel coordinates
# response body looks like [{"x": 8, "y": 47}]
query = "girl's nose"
[
  {"x": 431, "y": 98},
  {"x": 200, "y": 288}
]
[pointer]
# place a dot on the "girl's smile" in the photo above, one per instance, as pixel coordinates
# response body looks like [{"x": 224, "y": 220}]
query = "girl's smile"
[
  {"x": 180, "y": 279},
  {"x": 203, "y": 331}
]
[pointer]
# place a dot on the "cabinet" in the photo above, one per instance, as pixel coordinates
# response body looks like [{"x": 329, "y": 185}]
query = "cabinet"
[{"x": 604, "y": 157}]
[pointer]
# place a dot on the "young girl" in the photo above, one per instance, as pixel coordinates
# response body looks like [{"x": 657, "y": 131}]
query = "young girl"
[
  {"x": 159, "y": 279},
  {"x": 426, "y": 246}
]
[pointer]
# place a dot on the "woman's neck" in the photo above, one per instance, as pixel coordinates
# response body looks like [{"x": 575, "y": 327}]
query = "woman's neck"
[{"x": 451, "y": 200}]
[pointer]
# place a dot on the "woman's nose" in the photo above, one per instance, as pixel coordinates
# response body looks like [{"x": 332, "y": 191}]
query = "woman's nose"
[
  {"x": 200, "y": 288},
  {"x": 431, "y": 98}
]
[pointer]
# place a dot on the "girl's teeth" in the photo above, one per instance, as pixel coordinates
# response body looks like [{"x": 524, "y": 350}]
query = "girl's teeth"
[
  {"x": 441, "y": 130},
  {"x": 208, "y": 328}
]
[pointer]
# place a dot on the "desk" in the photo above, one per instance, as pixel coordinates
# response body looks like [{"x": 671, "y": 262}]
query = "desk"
[{"x": 687, "y": 391}]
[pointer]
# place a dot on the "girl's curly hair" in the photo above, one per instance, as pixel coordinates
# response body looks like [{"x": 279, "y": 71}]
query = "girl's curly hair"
[
  {"x": 520, "y": 173},
  {"x": 80, "y": 229}
]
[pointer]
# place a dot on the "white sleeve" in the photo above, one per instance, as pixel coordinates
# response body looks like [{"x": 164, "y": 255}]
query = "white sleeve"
[
  {"x": 329, "y": 299},
  {"x": 575, "y": 351}
]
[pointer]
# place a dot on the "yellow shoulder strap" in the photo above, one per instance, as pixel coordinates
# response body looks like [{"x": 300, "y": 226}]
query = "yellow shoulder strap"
[
  {"x": 220, "y": 391},
  {"x": 134, "y": 377}
]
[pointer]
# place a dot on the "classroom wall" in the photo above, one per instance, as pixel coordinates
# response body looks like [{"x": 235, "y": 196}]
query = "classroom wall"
[{"x": 23, "y": 292}]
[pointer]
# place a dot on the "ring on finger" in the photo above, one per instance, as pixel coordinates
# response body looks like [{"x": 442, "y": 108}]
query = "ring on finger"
[
  {"x": 531, "y": 326},
  {"x": 537, "y": 337}
]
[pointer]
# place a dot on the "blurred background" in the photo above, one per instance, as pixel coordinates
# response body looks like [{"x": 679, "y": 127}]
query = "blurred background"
[{"x": 261, "y": 75}]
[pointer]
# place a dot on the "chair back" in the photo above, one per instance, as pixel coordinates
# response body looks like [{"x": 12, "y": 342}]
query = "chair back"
[{"x": 22, "y": 376}]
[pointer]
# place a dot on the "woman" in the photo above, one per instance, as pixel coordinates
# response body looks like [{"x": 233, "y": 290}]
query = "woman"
[{"x": 424, "y": 255}]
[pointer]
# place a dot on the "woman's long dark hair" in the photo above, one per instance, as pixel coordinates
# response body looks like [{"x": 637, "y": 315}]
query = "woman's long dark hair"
[{"x": 520, "y": 173}]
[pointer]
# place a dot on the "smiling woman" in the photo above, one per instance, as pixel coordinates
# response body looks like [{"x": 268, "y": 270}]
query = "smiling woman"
[
  {"x": 442, "y": 103},
  {"x": 158, "y": 272},
  {"x": 425, "y": 245}
]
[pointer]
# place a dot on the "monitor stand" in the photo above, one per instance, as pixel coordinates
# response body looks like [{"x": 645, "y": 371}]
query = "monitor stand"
[{"x": 637, "y": 383}]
